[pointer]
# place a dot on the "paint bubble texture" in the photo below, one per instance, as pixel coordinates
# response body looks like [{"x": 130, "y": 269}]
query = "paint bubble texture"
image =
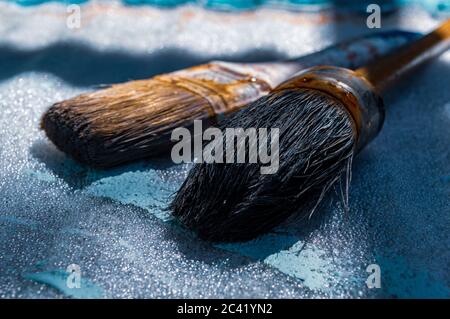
[{"x": 55, "y": 212}]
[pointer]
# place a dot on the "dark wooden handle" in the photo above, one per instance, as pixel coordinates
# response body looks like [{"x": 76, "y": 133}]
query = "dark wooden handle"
[{"x": 383, "y": 70}]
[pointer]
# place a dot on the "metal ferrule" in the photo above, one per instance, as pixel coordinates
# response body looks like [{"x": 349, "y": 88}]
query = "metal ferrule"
[{"x": 358, "y": 96}]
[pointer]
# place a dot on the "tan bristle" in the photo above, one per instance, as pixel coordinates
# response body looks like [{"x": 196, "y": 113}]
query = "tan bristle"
[
  {"x": 124, "y": 122},
  {"x": 134, "y": 120}
]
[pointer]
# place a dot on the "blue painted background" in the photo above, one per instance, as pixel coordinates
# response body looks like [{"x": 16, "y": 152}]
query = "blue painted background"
[
  {"x": 359, "y": 5},
  {"x": 54, "y": 212}
]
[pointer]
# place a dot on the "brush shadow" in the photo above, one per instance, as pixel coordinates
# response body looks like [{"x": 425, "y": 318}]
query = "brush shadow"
[
  {"x": 413, "y": 78},
  {"x": 194, "y": 248},
  {"x": 79, "y": 176},
  {"x": 217, "y": 256},
  {"x": 82, "y": 65},
  {"x": 281, "y": 238}
]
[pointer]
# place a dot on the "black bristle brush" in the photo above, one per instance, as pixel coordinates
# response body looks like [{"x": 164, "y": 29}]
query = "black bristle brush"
[{"x": 325, "y": 115}]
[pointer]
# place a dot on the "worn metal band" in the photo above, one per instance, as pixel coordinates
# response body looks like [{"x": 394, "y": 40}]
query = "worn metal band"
[
  {"x": 216, "y": 102},
  {"x": 358, "y": 96},
  {"x": 225, "y": 87}
]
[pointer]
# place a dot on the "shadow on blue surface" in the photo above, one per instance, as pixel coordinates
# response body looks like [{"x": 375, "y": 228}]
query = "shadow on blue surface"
[
  {"x": 116, "y": 67},
  {"x": 110, "y": 67},
  {"x": 78, "y": 176},
  {"x": 82, "y": 177}
]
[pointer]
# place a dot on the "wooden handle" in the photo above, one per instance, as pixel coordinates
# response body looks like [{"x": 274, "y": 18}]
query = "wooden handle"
[{"x": 383, "y": 70}]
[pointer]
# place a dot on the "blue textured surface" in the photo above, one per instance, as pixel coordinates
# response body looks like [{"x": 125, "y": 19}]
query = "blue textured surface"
[
  {"x": 54, "y": 212},
  {"x": 360, "y": 5}
]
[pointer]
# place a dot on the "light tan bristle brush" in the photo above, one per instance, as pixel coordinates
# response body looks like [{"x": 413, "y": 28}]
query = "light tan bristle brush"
[
  {"x": 134, "y": 120},
  {"x": 325, "y": 115}
]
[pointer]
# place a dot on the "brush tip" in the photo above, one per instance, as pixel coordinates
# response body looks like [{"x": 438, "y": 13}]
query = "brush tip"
[
  {"x": 123, "y": 123},
  {"x": 60, "y": 127}
]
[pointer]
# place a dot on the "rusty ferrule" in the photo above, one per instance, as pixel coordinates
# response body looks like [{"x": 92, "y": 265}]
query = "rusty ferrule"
[{"x": 363, "y": 104}]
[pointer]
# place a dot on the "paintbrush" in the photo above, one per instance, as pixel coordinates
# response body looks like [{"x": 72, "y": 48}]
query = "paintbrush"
[
  {"x": 134, "y": 120},
  {"x": 325, "y": 115}
]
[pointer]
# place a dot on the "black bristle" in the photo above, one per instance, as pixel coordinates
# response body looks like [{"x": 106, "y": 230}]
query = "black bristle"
[{"x": 235, "y": 202}]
